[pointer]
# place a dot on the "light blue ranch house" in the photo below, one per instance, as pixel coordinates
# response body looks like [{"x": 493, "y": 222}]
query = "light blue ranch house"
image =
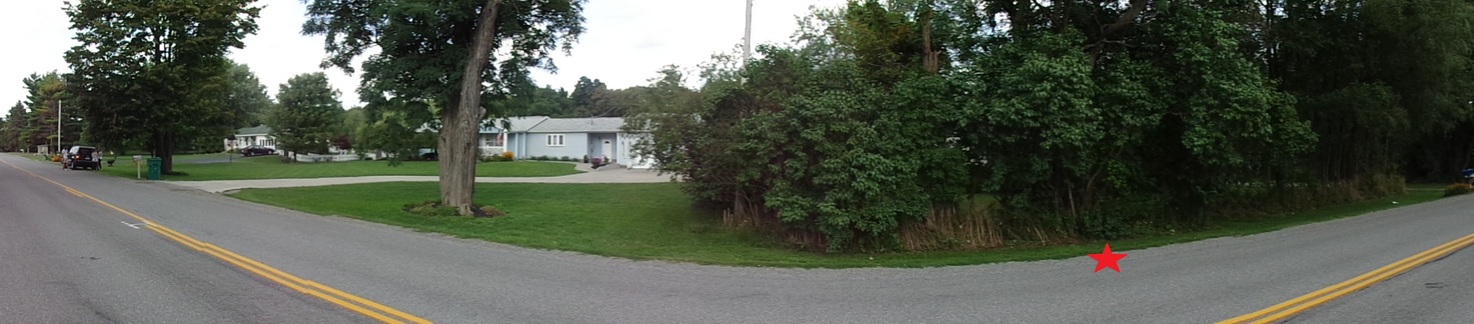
[{"x": 574, "y": 138}]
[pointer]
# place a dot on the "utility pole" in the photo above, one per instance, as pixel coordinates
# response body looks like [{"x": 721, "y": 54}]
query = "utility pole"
[
  {"x": 58, "y": 127},
  {"x": 747, "y": 36}
]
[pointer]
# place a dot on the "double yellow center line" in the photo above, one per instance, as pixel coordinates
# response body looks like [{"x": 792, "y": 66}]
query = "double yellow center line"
[
  {"x": 336, "y": 297},
  {"x": 1300, "y": 304}
]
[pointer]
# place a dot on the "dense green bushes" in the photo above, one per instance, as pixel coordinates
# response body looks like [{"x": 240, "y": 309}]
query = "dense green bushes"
[{"x": 868, "y": 131}]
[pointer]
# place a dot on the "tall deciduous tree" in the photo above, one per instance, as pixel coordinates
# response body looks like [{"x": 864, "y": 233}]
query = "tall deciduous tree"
[
  {"x": 441, "y": 52},
  {"x": 308, "y": 114},
  {"x": 541, "y": 101},
  {"x": 353, "y": 120},
  {"x": 587, "y": 96},
  {"x": 1385, "y": 83},
  {"x": 390, "y": 130},
  {"x": 155, "y": 70},
  {"x": 248, "y": 101}
]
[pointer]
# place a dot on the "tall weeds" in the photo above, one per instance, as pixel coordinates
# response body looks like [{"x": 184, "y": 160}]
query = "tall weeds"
[{"x": 952, "y": 228}]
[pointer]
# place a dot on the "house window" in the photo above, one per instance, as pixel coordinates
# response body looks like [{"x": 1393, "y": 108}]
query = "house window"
[{"x": 555, "y": 140}]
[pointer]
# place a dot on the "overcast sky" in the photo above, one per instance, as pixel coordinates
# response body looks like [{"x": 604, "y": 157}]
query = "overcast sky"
[{"x": 626, "y": 41}]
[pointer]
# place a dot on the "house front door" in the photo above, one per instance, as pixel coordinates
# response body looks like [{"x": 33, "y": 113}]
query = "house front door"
[{"x": 608, "y": 148}]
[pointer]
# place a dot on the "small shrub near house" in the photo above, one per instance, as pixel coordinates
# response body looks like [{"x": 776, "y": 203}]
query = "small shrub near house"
[
  {"x": 1457, "y": 189},
  {"x": 503, "y": 157},
  {"x": 508, "y": 156}
]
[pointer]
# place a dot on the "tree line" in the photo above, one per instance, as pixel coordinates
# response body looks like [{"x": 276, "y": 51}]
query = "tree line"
[
  {"x": 590, "y": 98},
  {"x": 1083, "y": 120},
  {"x": 153, "y": 75},
  {"x": 306, "y": 110}
]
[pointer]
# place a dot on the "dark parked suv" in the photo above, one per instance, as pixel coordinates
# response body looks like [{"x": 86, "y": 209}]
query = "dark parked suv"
[
  {"x": 83, "y": 157},
  {"x": 254, "y": 150}
]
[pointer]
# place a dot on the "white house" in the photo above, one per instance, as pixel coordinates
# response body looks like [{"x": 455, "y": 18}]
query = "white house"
[
  {"x": 574, "y": 138},
  {"x": 541, "y": 136},
  {"x": 625, "y": 152},
  {"x": 258, "y": 136},
  {"x": 492, "y": 139}
]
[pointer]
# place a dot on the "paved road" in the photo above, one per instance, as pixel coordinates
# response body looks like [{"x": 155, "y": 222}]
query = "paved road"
[
  {"x": 1440, "y": 292},
  {"x": 450, "y": 280},
  {"x": 63, "y": 260}
]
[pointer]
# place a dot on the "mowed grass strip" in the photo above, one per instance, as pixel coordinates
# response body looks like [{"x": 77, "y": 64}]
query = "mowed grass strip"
[
  {"x": 125, "y": 159},
  {"x": 271, "y": 167},
  {"x": 32, "y": 156},
  {"x": 654, "y": 221}
]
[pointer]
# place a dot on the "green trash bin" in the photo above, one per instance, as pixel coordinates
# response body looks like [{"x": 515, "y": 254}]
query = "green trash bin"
[{"x": 155, "y": 168}]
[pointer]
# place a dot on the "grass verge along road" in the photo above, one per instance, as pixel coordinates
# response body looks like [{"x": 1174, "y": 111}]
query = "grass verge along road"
[
  {"x": 271, "y": 167},
  {"x": 654, "y": 221}
]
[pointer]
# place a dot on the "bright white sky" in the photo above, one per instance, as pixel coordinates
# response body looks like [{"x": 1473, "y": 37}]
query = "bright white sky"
[{"x": 626, "y": 41}]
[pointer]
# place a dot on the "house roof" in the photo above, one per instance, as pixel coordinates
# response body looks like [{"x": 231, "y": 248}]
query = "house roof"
[
  {"x": 545, "y": 124},
  {"x": 258, "y": 130},
  {"x": 516, "y": 124},
  {"x": 579, "y": 125}
]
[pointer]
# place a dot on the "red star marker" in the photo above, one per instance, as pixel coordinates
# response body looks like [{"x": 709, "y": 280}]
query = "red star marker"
[{"x": 1106, "y": 259}]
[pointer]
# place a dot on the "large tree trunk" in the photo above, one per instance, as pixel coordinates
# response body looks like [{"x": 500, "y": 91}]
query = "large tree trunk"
[
  {"x": 460, "y": 123},
  {"x": 931, "y": 57},
  {"x": 164, "y": 150},
  {"x": 166, "y": 166}
]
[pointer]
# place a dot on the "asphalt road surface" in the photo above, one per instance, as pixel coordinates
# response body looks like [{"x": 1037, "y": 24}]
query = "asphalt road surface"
[
  {"x": 65, "y": 260},
  {"x": 1439, "y": 292},
  {"x": 449, "y": 280}
]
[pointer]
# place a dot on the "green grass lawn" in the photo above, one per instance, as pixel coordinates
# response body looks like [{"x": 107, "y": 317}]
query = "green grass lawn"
[
  {"x": 271, "y": 167},
  {"x": 1426, "y": 186},
  {"x": 653, "y": 221},
  {"x": 192, "y": 157}
]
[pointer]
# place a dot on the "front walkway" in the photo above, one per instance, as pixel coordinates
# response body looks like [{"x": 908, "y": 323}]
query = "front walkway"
[{"x": 608, "y": 175}]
